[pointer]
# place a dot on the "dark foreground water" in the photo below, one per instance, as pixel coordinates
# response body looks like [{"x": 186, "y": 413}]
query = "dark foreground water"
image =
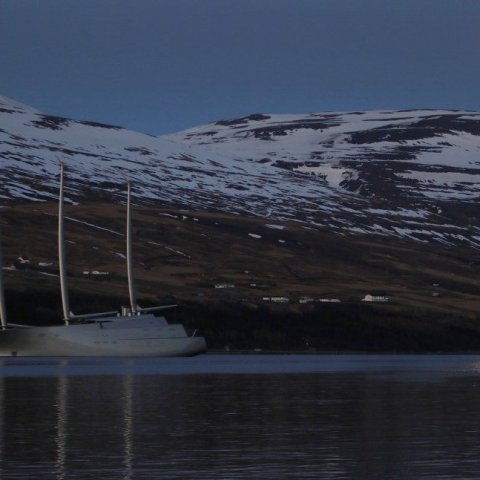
[{"x": 241, "y": 417}]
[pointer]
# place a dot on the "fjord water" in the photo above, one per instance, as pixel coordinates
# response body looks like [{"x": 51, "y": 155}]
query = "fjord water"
[{"x": 239, "y": 417}]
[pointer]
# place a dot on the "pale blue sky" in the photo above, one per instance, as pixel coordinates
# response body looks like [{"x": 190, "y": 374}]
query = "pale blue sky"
[{"x": 160, "y": 66}]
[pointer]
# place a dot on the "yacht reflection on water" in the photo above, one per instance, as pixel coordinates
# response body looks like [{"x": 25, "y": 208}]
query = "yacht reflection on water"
[
  {"x": 62, "y": 433},
  {"x": 61, "y": 406},
  {"x": 67, "y": 425},
  {"x": 128, "y": 427},
  {"x": 2, "y": 425}
]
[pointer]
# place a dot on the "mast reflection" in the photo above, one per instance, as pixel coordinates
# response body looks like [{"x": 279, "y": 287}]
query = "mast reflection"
[
  {"x": 61, "y": 407},
  {"x": 66, "y": 426},
  {"x": 128, "y": 427}
]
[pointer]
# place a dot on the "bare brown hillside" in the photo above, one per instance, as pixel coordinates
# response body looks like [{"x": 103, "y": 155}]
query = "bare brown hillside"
[{"x": 183, "y": 255}]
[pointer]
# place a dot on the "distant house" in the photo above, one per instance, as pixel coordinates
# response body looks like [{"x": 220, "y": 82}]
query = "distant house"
[
  {"x": 375, "y": 298},
  {"x": 276, "y": 299},
  {"x": 305, "y": 300},
  {"x": 95, "y": 272},
  {"x": 22, "y": 262},
  {"x": 224, "y": 285},
  {"x": 329, "y": 300},
  {"x": 9, "y": 267}
]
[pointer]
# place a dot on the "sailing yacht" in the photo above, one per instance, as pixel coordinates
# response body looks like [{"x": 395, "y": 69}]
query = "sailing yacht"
[{"x": 135, "y": 331}]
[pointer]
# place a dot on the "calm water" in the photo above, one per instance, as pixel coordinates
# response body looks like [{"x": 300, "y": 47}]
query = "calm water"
[{"x": 241, "y": 417}]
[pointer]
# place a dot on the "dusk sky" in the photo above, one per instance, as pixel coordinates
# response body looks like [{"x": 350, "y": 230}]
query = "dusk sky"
[{"x": 160, "y": 66}]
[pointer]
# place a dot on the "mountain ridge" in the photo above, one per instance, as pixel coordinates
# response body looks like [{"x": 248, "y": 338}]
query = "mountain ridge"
[{"x": 395, "y": 174}]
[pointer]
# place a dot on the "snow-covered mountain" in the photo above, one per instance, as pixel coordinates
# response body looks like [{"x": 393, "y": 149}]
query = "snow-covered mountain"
[{"x": 409, "y": 174}]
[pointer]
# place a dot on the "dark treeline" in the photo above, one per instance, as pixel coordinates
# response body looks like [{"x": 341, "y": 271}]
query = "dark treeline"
[
  {"x": 247, "y": 326},
  {"x": 323, "y": 327}
]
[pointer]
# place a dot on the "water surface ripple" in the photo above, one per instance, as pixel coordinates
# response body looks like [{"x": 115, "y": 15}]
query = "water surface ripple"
[{"x": 241, "y": 417}]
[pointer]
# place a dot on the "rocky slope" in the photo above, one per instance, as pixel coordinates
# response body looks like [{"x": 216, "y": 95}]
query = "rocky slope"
[{"x": 393, "y": 174}]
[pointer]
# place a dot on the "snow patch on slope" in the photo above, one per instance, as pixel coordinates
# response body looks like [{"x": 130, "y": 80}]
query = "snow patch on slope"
[{"x": 361, "y": 172}]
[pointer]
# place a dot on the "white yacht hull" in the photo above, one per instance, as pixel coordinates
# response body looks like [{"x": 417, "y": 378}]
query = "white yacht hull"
[{"x": 141, "y": 335}]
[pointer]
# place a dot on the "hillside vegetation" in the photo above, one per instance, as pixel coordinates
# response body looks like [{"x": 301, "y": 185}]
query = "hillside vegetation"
[{"x": 181, "y": 255}]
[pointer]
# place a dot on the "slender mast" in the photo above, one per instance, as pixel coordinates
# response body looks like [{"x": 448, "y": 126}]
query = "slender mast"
[
  {"x": 131, "y": 284},
  {"x": 3, "y": 314},
  {"x": 61, "y": 253}
]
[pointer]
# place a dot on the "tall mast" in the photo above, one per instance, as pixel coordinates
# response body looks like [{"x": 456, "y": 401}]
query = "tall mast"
[
  {"x": 3, "y": 314},
  {"x": 61, "y": 253},
  {"x": 131, "y": 284}
]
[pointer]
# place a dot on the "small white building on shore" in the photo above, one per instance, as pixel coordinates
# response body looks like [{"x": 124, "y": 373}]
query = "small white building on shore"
[
  {"x": 276, "y": 299},
  {"x": 224, "y": 285},
  {"x": 305, "y": 300},
  {"x": 375, "y": 298}
]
